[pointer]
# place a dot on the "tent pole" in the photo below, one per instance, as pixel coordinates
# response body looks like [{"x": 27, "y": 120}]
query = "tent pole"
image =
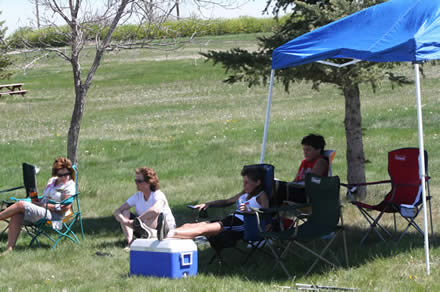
[
  {"x": 266, "y": 122},
  {"x": 422, "y": 163}
]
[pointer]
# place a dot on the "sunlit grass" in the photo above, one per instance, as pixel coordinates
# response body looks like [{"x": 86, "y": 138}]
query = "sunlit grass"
[{"x": 178, "y": 117}]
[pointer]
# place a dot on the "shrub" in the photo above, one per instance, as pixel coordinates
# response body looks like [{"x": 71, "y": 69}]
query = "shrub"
[{"x": 56, "y": 37}]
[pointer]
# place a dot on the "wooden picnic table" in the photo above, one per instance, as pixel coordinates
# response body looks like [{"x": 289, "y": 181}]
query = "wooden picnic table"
[{"x": 11, "y": 89}]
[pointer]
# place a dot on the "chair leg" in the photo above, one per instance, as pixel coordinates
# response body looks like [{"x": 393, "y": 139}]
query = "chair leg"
[
  {"x": 373, "y": 224},
  {"x": 319, "y": 256},
  {"x": 345, "y": 248},
  {"x": 278, "y": 260},
  {"x": 430, "y": 217}
]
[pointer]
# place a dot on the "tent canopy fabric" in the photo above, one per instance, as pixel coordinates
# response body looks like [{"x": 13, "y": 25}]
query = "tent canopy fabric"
[{"x": 394, "y": 31}]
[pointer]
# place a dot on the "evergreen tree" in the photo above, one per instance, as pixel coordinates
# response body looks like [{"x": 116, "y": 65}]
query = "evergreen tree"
[
  {"x": 254, "y": 67},
  {"x": 5, "y": 61}
]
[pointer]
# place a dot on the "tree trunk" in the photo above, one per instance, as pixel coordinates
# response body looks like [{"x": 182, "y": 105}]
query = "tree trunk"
[
  {"x": 353, "y": 134},
  {"x": 75, "y": 126},
  {"x": 81, "y": 88}
]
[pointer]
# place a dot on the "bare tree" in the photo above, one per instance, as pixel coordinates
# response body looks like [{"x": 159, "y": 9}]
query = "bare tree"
[{"x": 100, "y": 18}]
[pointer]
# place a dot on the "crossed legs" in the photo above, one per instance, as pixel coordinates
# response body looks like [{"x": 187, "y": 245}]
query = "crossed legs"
[{"x": 148, "y": 218}]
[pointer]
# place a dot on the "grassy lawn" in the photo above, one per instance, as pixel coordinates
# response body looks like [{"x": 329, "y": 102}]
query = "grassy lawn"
[{"x": 172, "y": 112}]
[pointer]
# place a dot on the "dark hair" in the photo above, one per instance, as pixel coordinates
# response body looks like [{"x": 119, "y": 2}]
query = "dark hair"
[
  {"x": 60, "y": 163},
  {"x": 314, "y": 140},
  {"x": 150, "y": 177},
  {"x": 256, "y": 174}
]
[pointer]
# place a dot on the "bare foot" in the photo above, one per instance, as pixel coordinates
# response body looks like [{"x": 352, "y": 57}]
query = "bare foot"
[{"x": 8, "y": 250}]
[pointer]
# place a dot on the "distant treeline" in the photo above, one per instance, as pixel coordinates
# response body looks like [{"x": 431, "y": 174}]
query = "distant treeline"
[{"x": 57, "y": 37}]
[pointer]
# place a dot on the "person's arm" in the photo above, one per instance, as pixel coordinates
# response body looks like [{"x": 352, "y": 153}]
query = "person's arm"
[
  {"x": 154, "y": 211},
  {"x": 118, "y": 212},
  {"x": 220, "y": 203},
  {"x": 321, "y": 167}
]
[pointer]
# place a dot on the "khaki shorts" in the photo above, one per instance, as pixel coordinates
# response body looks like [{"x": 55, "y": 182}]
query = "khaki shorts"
[{"x": 34, "y": 213}]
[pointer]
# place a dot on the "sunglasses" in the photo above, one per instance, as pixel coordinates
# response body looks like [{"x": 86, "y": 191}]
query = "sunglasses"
[
  {"x": 63, "y": 174},
  {"x": 139, "y": 181}
]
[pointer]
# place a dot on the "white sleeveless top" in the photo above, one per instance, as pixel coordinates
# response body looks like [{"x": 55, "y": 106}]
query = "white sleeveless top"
[{"x": 251, "y": 203}]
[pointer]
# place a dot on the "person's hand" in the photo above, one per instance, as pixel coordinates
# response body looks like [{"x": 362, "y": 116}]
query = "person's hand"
[
  {"x": 201, "y": 207},
  {"x": 244, "y": 208}
]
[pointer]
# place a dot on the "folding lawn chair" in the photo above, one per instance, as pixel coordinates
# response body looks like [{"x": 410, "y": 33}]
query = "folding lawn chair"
[
  {"x": 29, "y": 184},
  {"x": 325, "y": 223},
  {"x": 405, "y": 196},
  {"x": 251, "y": 234},
  {"x": 58, "y": 230}
]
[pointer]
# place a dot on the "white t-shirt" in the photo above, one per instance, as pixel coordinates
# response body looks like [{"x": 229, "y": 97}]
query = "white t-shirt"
[{"x": 138, "y": 201}]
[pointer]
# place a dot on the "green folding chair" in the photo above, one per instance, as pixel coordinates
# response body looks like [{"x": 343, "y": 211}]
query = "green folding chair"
[
  {"x": 325, "y": 223},
  {"x": 56, "y": 231}
]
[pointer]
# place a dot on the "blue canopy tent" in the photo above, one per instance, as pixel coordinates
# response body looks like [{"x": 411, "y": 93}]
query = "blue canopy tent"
[{"x": 394, "y": 31}]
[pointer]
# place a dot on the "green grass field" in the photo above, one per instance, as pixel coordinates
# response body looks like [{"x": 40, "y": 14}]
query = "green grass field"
[{"x": 172, "y": 112}]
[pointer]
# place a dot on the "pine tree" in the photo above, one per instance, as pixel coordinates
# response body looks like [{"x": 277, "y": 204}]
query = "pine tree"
[{"x": 254, "y": 67}]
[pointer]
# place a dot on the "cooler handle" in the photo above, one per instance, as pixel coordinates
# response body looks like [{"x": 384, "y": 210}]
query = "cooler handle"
[{"x": 182, "y": 258}]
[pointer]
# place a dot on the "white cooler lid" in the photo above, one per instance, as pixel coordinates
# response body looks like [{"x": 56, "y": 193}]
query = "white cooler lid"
[{"x": 169, "y": 245}]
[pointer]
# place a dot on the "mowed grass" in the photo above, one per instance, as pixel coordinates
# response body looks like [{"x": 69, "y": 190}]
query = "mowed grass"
[{"x": 172, "y": 112}]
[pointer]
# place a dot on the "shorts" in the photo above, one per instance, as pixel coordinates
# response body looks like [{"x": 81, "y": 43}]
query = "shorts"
[
  {"x": 34, "y": 213},
  {"x": 233, "y": 230},
  {"x": 231, "y": 223}
]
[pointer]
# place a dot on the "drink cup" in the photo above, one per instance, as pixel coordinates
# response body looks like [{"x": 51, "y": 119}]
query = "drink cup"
[{"x": 34, "y": 196}]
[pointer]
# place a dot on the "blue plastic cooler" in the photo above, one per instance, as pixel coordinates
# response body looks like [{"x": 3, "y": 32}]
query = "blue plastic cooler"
[{"x": 171, "y": 258}]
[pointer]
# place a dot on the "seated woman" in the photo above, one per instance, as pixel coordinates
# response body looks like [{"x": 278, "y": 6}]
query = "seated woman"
[
  {"x": 60, "y": 187},
  {"x": 314, "y": 162},
  {"x": 149, "y": 202},
  {"x": 252, "y": 195}
]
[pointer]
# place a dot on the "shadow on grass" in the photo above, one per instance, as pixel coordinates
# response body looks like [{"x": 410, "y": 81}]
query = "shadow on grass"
[{"x": 260, "y": 267}]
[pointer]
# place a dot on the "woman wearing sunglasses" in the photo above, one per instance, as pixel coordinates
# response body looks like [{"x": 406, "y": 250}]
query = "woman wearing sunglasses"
[
  {"x": 150, "y": 204},
  {"x": 59, "y": 187}
]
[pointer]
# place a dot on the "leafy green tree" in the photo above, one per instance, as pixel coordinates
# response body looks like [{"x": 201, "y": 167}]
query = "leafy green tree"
[
  {"x": 254, "y": 67},
  {"x": 5, "y": 61}
]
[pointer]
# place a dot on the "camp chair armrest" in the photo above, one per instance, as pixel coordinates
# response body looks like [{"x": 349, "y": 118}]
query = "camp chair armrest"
[
  {"x": 349, "y": 186},
  {"x": 11, "y": 189},
  {"x": 352, "y": 188},
  {"x": 293, "y": 208},
  {"x": 66, "y": 201}
]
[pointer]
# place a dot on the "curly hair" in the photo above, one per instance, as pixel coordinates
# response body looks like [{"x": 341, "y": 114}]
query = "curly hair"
[
  {"x": 60, "y": 163},
  {"x": 150, "y": 177}
]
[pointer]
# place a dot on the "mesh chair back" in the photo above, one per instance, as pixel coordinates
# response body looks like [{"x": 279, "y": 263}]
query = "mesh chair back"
[
  {"x": 29, "y": 178},
  {"x": 324, "y": 195},
  {"x": 403, "y": 168}
]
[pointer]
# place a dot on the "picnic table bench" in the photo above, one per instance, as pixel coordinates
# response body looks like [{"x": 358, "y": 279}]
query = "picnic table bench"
[{"x": 16, "y": 88}]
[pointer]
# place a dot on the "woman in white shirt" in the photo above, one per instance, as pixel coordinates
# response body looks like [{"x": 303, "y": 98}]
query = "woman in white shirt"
[
  {"x": 149, "y": 201},
  {"x": 59, "y": 187}
]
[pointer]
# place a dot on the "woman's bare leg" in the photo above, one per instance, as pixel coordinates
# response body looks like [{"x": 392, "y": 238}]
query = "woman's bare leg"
[
  {"x": 196, "y": 229},
  {"x": 14, "y": 230},
  {"x": 16, "y": 208},
  {"x": 16, "y": 213}
]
